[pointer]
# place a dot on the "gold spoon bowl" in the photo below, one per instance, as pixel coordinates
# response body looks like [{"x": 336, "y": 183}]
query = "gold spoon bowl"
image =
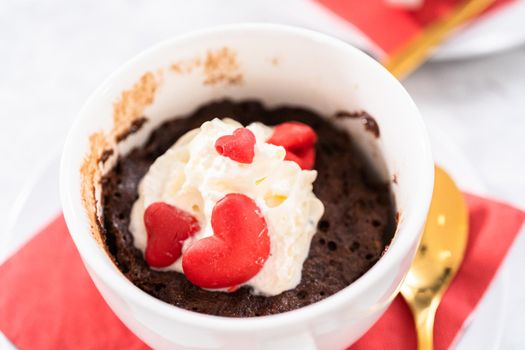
[{"x": 439, "y": 255}]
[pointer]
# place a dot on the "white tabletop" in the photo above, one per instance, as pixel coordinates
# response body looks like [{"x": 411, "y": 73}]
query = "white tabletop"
[{"x": 54, "y": 53}]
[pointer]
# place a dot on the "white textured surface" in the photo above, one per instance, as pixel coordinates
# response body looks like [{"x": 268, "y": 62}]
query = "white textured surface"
[
  {"x": 54, "y": 53},
  {"x": 479, "y": 104}
]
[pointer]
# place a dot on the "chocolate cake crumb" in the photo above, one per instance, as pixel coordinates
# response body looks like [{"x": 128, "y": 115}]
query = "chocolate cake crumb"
[
  {"x": 105, "y": 155},
  {"x": 218, "y": 66},
  {"x": 221, "y": 66},
  {"x": 131, "y": 105},
  {"x": 358, "y": 223},
  {"x": 368, "y": 122},
  {"x": 133, "y": 128}
]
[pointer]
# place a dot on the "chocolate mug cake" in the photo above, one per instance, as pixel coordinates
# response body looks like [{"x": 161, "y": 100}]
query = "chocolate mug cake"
[
  {"x": 258, "y": 212},
  {"x": 176, "y": 220}
]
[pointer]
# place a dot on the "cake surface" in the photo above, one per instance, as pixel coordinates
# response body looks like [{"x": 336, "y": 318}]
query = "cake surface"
[{"x": 357, "y": 225}]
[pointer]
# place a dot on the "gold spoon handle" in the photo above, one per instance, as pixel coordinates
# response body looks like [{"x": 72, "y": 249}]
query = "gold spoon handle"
[
  {"x": 424, "y": 319},
  {"x": 416, "y": 51},
  {"x": 439, "y": 255}
]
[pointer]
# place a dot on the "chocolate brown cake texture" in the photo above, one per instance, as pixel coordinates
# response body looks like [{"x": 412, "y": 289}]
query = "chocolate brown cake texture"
[{"x": 357, "y": 226}]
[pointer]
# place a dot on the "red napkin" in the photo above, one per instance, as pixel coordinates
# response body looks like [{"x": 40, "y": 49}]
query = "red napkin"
[
  {"x": 388, "y": 26},
  {"x": 47, "y": 300}
]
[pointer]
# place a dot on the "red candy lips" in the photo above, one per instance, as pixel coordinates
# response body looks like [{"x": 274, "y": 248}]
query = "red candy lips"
[
  {"x": 299, "y": 140},
  {"x": 167, "y": 228},
  {"x": 239, "y": 146},
  {"x": 238, "y": 249}
]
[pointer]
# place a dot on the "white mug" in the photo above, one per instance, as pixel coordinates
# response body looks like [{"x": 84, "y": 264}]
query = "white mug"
[{"x": 277, "y": 65}]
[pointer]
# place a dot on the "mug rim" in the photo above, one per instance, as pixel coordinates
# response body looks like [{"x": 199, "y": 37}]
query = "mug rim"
[{"x": 91, "y": 251}]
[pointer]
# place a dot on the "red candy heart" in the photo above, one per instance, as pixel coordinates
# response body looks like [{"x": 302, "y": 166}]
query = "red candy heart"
[
  {"x": 167, "y": 228},
  {"x": 298, "y": 139},
  {"x": 238, "y": 147},
  {"x": 236, "y": 252},
  {"x": 304, "y": 158},
  {"x": 293, "y": 136}
]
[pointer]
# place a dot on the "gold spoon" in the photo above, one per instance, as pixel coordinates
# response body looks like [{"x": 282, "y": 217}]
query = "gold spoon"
[{"x": 438, "y": 257}]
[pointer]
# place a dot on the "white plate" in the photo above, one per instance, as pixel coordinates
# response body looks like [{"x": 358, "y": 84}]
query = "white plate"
[
  {"x": 497, "y": 31},
  {"x": 39, "y": 202},
  {"x": 36, "y": 204}
]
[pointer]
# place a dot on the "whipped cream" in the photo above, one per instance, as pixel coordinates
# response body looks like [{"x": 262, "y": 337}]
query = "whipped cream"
[{"x": 192, "y": 176}]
